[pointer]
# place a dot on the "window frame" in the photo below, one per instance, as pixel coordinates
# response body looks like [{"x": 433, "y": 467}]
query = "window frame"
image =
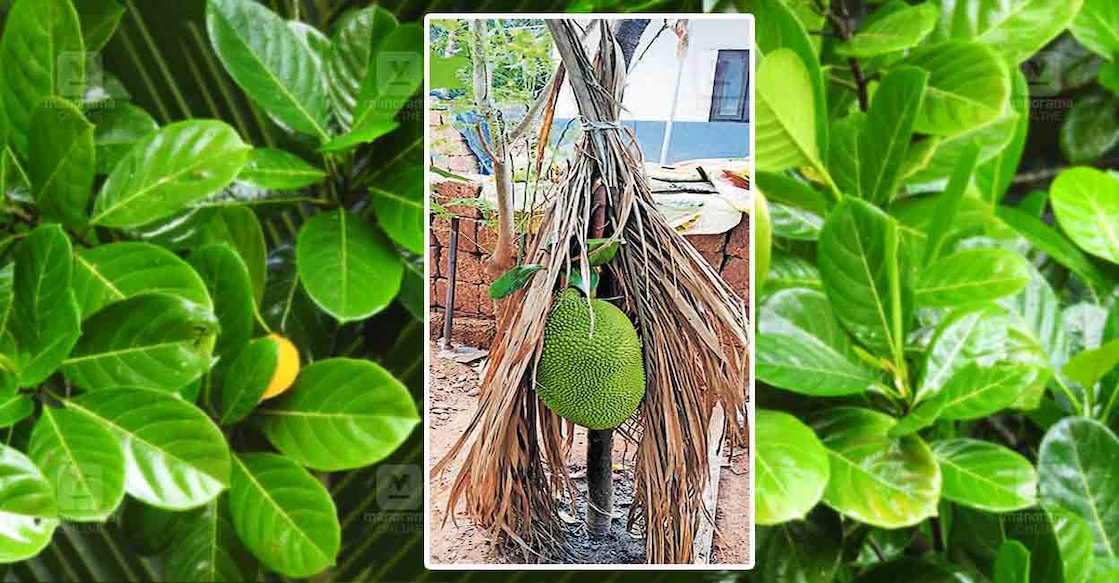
[{"x": 718, "y": 93}]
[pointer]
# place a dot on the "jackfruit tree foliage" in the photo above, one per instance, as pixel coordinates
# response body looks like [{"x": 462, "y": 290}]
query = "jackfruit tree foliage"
[
  {"x": 146, "y": 252},
  {"x": 590, "y": 372},
  {"x": 937, "y": 333}
]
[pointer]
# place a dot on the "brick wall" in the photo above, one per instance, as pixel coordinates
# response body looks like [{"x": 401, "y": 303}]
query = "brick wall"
[{"x": 473, "y": 323}]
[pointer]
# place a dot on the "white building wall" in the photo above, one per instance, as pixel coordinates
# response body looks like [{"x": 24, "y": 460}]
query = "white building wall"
[{"x": 650, "y": 84}]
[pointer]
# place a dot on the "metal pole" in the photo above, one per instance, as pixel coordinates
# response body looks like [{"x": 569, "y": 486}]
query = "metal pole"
[
  {"x": 683, "y": 56},
  {"x": 600, "y": 481},
  {"x": 449, "y": 306}
]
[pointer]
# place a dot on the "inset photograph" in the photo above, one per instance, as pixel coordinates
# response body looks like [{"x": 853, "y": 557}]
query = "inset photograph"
[{"x": 589, "y": 389}]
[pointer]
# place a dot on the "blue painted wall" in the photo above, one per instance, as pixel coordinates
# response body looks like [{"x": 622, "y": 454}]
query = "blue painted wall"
[{"x": 691, "y": 140}]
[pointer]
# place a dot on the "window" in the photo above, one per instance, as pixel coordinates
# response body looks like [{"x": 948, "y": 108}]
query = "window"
[{"x": 732, "y": 79}]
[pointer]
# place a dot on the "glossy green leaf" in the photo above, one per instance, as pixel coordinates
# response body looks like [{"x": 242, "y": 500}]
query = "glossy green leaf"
[
  {"x": 44, "y": 313},
  {"x": 116, "y": 130},
  {"x": 1039, "y": 310},
  {"x": 83, "y": 462},
  {"x": 919, "y": 570},
  {"x": 1054, "y": 244},
  {"x": 394, "y": 74},
  {"x": 355, "y": 39},
  {"x": 949, "y": 204},
  {"x": 797, "y": 224},
  {"x": 116, "y": 271},
  {"x": 512, "y": 280},
  {"x": 974, "y": 334},
  {"x": 1074, "y": 540},
  {"x": 206, "y": 547},
  {"x": 792, "y": 468},
  {"x": 244, "y": 382},
  {"x": 399, "y": 206},
  {"x": 341, "y": 414},
  {"x": 279, "y": 170},
  {"x": 99, "y": 19},
  {"x": 60, "y": 161},
  {"x": 28, "y": 513},
  {"x": 762, "y": 238},
  {"x": 802, "y": 347},
  {"x": 157, "y": 342},
  {"x": 347, "y": 267},
  {"x": 283, "y": 514},
  {"x": 976, "y": 391},
  {"x": 994, "y": 176},
  {"x": 1016, "y": 29},
  {"x": 602, "y": 251},
  {"x": 1086, "y": 202},
  {"x": 41, "y": 54},
  {"x": 270, "y": 63},
  {"x": 991, "y": 138},
  {"x": 1013, "y": 563},
  {"x": 877, "y": 480},
  {"x": 887, "y": 132},
  {"x": 227, "y": 280},
  {"x": 290, "y": 312},
  {"x": 14, "y": 406},
  {"x": 413, "y": 287},
  {"x": 1077, "y": 472},
  {"x": 984, "y": 475},
  {"x": 918, "y": 418},
  {"x": 1096, "y": 26},
  {"x": 786, "y": 125},
  {"x": 779, "y": 188},
  {"x": 1091, "y": 128},
  {"x": 175, "y": 457},
  {"x": 164, "y": 173},
  {"x": 1089, "y": 366},
  {"x": 968, "y": 86},
  {"x": 971, "y": 275},
  {"x": 807, "y": 551},
  {"x": 899, "y": 30},
  {"x": 862, "y": 265}
]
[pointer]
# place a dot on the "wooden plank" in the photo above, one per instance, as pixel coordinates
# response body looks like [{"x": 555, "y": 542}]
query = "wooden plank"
[{"x": 705, "y": 534}]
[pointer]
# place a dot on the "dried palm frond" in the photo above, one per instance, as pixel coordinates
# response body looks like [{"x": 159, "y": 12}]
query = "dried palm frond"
[{"x": 693, "y": 327}]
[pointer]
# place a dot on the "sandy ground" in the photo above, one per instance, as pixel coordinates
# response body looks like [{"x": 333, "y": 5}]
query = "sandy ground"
[{"x": 453, "y": 392}]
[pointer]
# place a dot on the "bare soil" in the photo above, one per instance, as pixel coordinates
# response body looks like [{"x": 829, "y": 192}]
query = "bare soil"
[{"x": 453, "y": 392}]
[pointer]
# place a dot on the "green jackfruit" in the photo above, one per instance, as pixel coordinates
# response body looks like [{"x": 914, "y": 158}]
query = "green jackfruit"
[{"x": 596, "y": 380}]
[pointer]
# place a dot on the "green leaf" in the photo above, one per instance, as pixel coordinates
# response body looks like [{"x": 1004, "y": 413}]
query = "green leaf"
[
  {"x": 289, "y": 311},
  {"x": 227, "y": 280},
  {"x": 512, "y": 280},
  {"x": 802, "y": 347},
  {"x": 919, "y": 570},
  {"x": 347, "y": 267},
  {"x": 156, "y": 342},
  {"x": 41, "y": 54},
  {"x": 413, "y": 286},
  {"x": 395, "y": 73},
  {"x": 28, "y": 512},
  {"x": 1077, "y": 472},
  {"x": 918, "y": 418},
  {"x": 1091, "y": 129},
  {"x": 974, "y": 334},
  {"x": 270, "y": 63},
  {"x": 341, "y": 414},
  {"x": 274, "y": 169},
  {"x": 792, "y": 467},
  {"x": 355, "y": 39},
  {"x": 806, "y": 551},
  {"x": 968, "y": 86},
  {"x": 99, "y": 19},
  {"x": 1055, "y": 245},
  {"x": 985, "y": 475},
  {"x": 949, "y": 203},
  {"x": 83, "y": 462},
  {"x": 602, "y": 251},
  {"x": 887, "y": 131},
  {"x": 990, "y": 138},
  {"x": 890, "y": 483},
  {"x": 1016, "y": 29},
  {"x": 283, "y": 514},
  {"x": 1074, "y": 539},
  {"x": 1089, "y": 366},
  {"x": 763, "y": 238},
  {"x": 844, "y": 161},
  {"x": 116, "y": 271},
  {"x": 899, "y": 30},
  {"x": 786, "y": 125},
  {"x": 61, "y": 161},
  {"x": 976, "y": 391},
  {"x": 994, "y": 176},
  {"x": 399, "y": 206},
  {"x": 862, "y": 265},
  {"x": 1013, "y": 563},
  {"x": 1095, "y": 27},
  {"x": 1039, "y": 310},
  {"x": 206, "y": 547},
  {"x": 971, "y": 275},
  {"x": 176, "y": 458},
  {"x": 242, "y": 385},
  {"x": 116, "y": 130},
  {"x": 164, "y": 173},
  {"x": 1086, "y": 202},
  {"x": 14, "y": 406},
  {"x": 44, "y": 314}
]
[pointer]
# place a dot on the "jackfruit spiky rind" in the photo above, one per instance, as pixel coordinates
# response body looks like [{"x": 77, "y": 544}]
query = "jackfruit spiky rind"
[{"x": 595, "y": 380}]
